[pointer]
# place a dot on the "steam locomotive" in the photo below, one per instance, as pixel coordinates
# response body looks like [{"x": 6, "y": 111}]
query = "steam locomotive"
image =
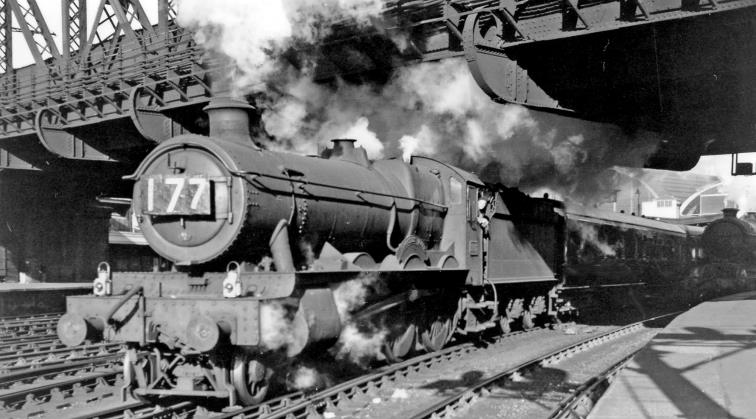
[
  {"x": 267, "y": 244},
  {"x": 729, "y": 252}
]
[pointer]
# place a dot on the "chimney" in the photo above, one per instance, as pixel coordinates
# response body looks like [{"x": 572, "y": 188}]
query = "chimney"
[
  {"x": 229, "y": 119},
  {"x": 730, "y": 212},
  {"x": 344, "y": 149}
]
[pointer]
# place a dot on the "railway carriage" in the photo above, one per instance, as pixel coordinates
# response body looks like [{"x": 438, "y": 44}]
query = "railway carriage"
[{"x": 608, "y": 249}]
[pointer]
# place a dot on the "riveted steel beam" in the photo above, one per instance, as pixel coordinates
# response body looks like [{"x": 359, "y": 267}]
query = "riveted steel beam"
[
  {"x": 57, "y": 139},
  {"x": 165, "y": 109},
  {"x": 32, "y": 25},
  {"x": 10, "y": 160},
  {"x": 6, "y": 44},
  {"x": 74, "y": 26}
]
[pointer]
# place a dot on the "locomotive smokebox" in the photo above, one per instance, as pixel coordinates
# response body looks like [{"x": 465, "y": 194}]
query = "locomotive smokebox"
[
  {"x": 229, "y": 119},
  {"x": 220, "y": 198}
]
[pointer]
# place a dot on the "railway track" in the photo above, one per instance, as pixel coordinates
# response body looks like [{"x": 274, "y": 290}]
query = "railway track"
[
  {"x": 10, "y": 319},
  {"x": 42, "y": 324},
  {"x": 580, "y": 403},
  {"x": 275, "y": 406},
  {"x": 17, "y": 375},
  {"x": 347, "y": 399},
  {"x": 11, "y": 343},
  {"x": 303, "y": 405},
  {"x": 463, "y": 399},
  {"x": 37, "y": 371},
  {"x": 52, "y": 355},
  {"x": 44, "y": 390},
  {"x": 138, "y": 410},
  {"x": 29, "y": 344}
]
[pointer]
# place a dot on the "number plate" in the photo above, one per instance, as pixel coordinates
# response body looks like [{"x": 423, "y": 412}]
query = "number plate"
[{"x": 176, "y": 195}]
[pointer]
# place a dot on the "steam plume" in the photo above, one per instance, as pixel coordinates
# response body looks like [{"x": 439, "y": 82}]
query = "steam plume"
[
  {"x": 361, "y": 346},
  {"x": 435, "y": 108},
  {"x": 276, "y": 328},
  {"x": 359, "y": 343},
  {"x": 304, "y": 378}
]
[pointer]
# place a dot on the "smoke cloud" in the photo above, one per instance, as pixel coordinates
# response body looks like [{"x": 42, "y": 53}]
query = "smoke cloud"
[
  {"x": 360, "y": 343},
  {"x": 434, "y": 109},
  {"x": 254, "y": 34},
  {"x": 437, "y": 109}
]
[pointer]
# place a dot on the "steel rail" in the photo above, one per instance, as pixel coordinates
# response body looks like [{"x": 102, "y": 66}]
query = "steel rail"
[
  {"x": 28, "y": 329},
  {"x": 14, "y": 321},
  {"x": 568, "y": 408},
  {"x": 21, "y": 330},
  {"x": 16, "y": 324},
  {"x": 29, "y": 372},
  {"x": 470, "y": 394},
  {"x": 28, "y": 338},
  {"x": 171, "y": 411},
  {"x": 44, "y": 390},
  {"x": 30, "y": 345},
  {"x": 118, "y": 411},
  {"x": 29, "y": 317},
  {"x": 75, "y": 351}
]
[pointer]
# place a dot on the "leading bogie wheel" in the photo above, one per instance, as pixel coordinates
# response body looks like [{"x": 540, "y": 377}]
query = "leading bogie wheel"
[
  {"x": 436, "y": 335},
  {"x": 137, "y": 373},
  {"x": 528, "y": 320},
  {"x": 505, "y": 324},
  {"x": 397, "y": 347},
  {"x": 250, "y": 379}
]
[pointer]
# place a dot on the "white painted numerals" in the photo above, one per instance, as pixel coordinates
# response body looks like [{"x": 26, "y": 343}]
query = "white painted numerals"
[
  {"x": 179, "y": 183},
  {"x": 199, "y": 192},
  {"x": 178, "y": 195}
]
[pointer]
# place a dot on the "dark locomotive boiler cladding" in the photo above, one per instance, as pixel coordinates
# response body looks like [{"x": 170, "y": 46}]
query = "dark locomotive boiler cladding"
[
  {"x": 730, "y": 238},
  {"x": 433, "y": 250},
  {"x": 342, "y": 199},
  {"x": 729, "y": 252}
]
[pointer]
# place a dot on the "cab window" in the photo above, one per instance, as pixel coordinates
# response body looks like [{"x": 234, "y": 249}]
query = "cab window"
[{"x": 455, "y": 190}]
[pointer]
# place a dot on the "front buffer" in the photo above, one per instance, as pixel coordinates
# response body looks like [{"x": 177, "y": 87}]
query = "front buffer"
[{"x": 185, "y": 338}]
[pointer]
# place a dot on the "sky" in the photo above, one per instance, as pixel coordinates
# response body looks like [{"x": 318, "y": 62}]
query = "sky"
[
  {"x": 52, "y": 14},
  {"x": 741, "y": 189}
]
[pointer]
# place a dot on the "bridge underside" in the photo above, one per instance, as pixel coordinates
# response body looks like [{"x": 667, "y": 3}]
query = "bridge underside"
[
  {"x": 693, "y": 80},
  {"x": 685, "y": 69}
]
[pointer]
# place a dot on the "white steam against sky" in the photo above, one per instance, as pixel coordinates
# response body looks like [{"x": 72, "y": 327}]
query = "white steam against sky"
[{"x": 740, "y": 189}]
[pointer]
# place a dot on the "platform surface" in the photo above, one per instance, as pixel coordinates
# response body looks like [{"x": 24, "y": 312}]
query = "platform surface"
[{"x": 702, "y": 365}]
